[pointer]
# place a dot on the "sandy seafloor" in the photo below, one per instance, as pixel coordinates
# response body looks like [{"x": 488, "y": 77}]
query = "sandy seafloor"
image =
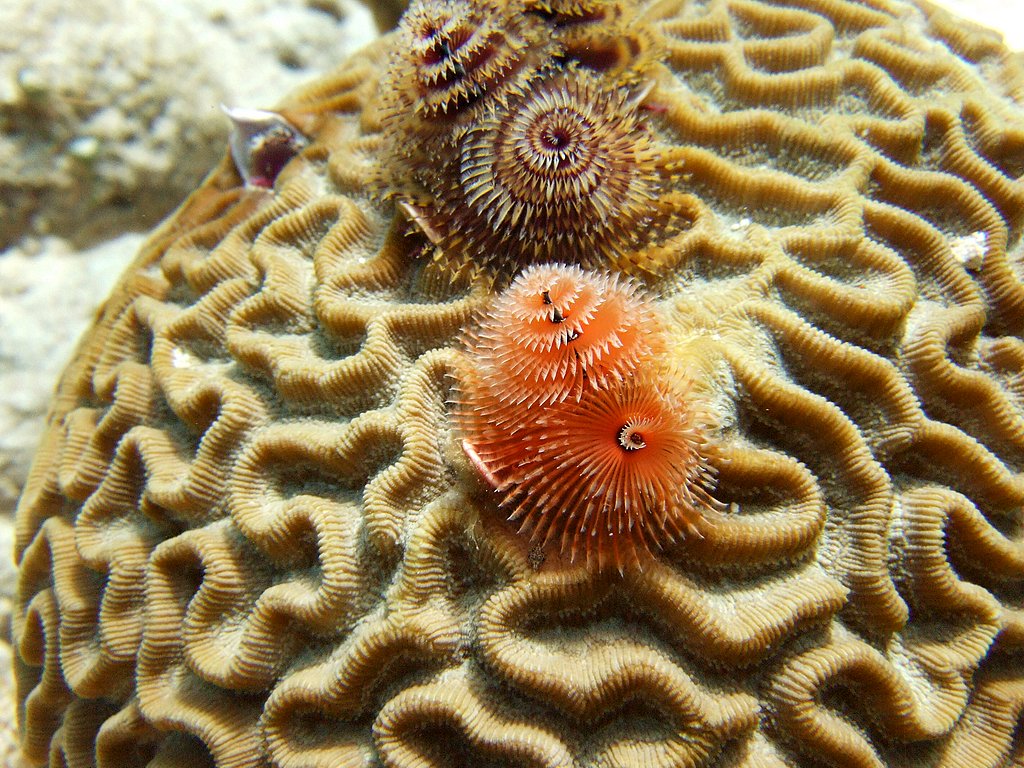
[{"x": 185, "y": 61}]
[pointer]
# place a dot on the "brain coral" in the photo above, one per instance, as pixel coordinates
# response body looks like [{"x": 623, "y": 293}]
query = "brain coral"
[{"x": 250, "y": 536}]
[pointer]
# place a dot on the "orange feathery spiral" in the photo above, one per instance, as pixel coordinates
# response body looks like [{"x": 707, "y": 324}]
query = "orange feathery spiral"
[
  {"x": 554, "y": 332},
  {"x": 558, "y": 329},
  {"x": 567, "y": 410},
  {"x": 619, "y": 474},
  {"x": 497, "y": 447}
]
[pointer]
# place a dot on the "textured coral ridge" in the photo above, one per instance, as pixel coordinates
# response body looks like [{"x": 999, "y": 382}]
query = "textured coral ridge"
[{"x": 251, "y": 539}]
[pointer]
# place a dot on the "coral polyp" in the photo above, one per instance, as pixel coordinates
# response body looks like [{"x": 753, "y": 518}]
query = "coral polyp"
[
  {"x": 558, "y": 329},
  {"x": 514, "y": 133},
  {"x": 563, "y": 168},
  {"x": 619, "y": 474}
]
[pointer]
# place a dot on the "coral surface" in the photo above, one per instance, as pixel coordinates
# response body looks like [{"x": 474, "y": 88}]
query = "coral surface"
[{"x": 251, "y": 536}]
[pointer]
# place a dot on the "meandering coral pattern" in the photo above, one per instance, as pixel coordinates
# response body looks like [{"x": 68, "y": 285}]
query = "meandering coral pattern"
[{"x": 252, "y": 538}]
